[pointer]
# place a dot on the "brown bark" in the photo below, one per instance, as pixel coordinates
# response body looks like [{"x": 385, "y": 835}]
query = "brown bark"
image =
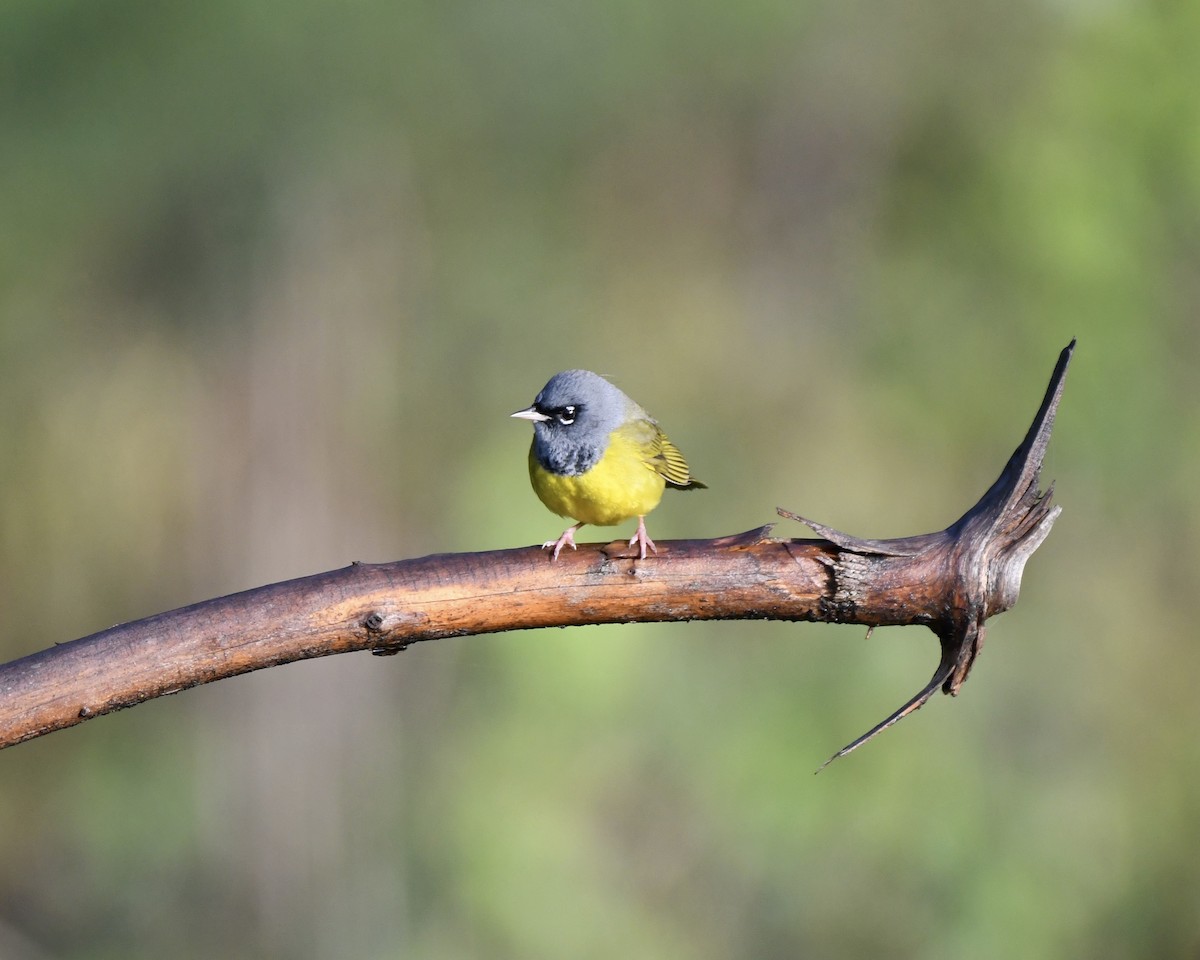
[{"x": 950, "y": 581}]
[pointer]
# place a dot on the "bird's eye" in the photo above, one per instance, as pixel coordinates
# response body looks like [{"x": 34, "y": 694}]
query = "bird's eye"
[{"x": 565, "y": 415}]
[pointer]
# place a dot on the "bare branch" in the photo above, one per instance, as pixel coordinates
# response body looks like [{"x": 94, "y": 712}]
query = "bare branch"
[{"x": 950, "y": 581}]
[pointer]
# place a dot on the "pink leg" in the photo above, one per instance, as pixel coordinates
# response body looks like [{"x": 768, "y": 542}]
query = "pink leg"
[
  {"x": 642, "y": 539},
  {"x": 567, "y": 539}
]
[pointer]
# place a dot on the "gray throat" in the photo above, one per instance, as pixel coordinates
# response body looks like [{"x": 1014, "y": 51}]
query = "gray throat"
[{"x": 566, "y": 456}]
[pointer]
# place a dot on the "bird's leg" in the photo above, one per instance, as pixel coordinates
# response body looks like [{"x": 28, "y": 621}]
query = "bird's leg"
[
  {"x": 642, "y": 539},
  {"x": 567, "y": 539}
]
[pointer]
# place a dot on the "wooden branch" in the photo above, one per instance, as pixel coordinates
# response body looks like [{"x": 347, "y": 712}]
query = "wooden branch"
[{"x": 950, "y": 581}]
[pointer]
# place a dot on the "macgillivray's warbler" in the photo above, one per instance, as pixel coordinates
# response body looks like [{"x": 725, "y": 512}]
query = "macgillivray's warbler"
[{"x": 598, "y": 457}]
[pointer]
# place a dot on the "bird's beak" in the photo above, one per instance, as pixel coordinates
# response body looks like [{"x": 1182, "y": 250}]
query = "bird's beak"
[{"x": 531, "y": 413}]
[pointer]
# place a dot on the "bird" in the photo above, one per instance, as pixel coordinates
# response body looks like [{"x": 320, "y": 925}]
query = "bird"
[{"x": 599, "y": 458}]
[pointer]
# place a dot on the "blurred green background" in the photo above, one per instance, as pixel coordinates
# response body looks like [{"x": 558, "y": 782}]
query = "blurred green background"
[{"x": 272, "y": 277}]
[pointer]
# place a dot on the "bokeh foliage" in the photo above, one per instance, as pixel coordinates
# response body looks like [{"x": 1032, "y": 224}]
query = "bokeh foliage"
[{"x": 271, "y": 278}]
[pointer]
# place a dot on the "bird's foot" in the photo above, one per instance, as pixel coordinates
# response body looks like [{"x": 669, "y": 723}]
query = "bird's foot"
[
  {"x": 642, "y": 539},
  {"x": 566, "y": 540}
]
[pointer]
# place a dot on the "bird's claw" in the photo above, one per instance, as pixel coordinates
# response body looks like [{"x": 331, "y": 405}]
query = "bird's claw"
[
  {"x": 642, "y": 539},
  {"x": 566, "y": 540}
]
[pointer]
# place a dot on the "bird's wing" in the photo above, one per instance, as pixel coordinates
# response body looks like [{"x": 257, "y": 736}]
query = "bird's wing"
[{"x": 664, "y": 458}]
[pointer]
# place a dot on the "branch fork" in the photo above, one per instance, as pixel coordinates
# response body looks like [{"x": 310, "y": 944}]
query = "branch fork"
[{"x": 980, "y": 558}]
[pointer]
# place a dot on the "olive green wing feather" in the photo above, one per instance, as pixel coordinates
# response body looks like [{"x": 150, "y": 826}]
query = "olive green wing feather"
[{"x": 664, "y": 458}]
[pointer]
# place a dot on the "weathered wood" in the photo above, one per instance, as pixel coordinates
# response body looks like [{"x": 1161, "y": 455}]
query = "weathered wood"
[{"x": 950, "y": 581}]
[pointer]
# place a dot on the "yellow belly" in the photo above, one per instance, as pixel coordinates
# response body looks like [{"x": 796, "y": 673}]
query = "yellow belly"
[{"x": 622, "y": 485}]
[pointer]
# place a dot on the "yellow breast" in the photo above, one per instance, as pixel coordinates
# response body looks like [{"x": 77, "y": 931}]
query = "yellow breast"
[{"x": 623, "y": 484}]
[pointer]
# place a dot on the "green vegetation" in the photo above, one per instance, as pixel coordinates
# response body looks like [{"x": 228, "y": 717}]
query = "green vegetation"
[{"x": 273, "y": 276}]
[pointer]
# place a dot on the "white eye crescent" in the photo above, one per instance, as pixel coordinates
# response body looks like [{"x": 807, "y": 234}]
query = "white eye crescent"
[{"x": 566, "y": 415}]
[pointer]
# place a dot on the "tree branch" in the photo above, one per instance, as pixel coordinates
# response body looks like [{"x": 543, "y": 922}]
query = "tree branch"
[{"x": 951, "y": 582}]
